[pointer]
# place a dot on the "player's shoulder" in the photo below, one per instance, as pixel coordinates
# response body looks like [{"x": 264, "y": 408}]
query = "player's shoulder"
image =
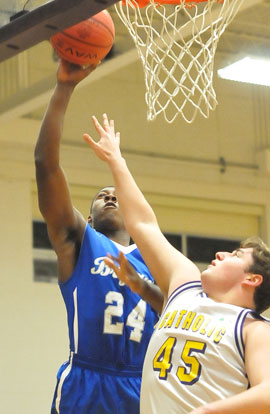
[
  {"x": 256, "y": 326},
  {"x": 185, "y": 285},
  {"x": 191, "y": 289}
]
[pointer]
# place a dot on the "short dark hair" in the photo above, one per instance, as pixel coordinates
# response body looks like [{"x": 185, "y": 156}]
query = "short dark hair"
[
  {"x": 261, "y": 265},
  {"x": 95, "y": 196}
]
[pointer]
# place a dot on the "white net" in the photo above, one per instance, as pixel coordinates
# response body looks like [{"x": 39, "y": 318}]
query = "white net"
[{"x": 177, "y": 45}]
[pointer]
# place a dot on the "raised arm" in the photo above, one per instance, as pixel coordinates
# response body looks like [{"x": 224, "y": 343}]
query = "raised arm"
[
  {"x": 168, "y": 266},
  {"x": 65, "y": 225}
]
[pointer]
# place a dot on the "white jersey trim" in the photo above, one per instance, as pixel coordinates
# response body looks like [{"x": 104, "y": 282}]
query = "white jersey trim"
[
  {"x": 75, "y": 322},
  {"x": 238, "y": 332},
  {"x": 61, "y": 382},
  {"x": 181, "y": 289},
  {"x": 76, "y": 339},
  {"x": 125, "y": 249}
]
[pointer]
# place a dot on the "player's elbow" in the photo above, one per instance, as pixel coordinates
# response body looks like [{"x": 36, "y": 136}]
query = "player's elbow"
[
  {"x": 41, "y": 167},
  {"x": 45, "y": 164},
  {"x": 39, "y": 157}
]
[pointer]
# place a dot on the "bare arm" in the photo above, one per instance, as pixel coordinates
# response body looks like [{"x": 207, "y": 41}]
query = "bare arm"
[
  {"x": 168, "y": 266},
  {"x": 65, "y": 225},
  {"x": 128, "y": 275},
  {"x": 256, "y": 400}
]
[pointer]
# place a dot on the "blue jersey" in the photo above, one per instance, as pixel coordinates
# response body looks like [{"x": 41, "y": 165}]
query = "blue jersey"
[{"x": 109, "y": 330}]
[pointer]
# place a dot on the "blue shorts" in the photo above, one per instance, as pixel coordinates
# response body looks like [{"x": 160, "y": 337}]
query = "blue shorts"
[{"x": 92, "y": 389}]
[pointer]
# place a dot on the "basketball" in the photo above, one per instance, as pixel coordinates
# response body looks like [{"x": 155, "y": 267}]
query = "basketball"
[{"x": 86, "y": 42}]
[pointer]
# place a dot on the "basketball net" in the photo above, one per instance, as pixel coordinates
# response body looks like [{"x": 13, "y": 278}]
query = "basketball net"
[{"x": 177, "y": 42}]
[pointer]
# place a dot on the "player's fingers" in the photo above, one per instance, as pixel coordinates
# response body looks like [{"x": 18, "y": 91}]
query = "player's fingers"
[
  {"x": 110, "y": 263},
  {"x": 112, "y": 125},
  {"x": 115, "y": 268},
  {"x": 89, "y": 140},
  {"x": 117, "y": 136},
  {"x": 97, "y": 125},
  {"x": 88, "y": 69},
  {"x": 123, "y": 262},
  {"x": 108, "y": 124},
  {"x": 122, "y": 257},
  {"x": 105, "y": 122},
  {"x": 114, "y": 258}
]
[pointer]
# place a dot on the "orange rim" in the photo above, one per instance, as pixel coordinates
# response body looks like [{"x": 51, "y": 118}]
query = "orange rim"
[{"x": 144, "y": 3}]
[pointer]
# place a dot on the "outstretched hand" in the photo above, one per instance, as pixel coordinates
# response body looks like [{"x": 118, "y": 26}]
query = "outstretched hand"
[
  {"x": 125, "y": 272},
  {"x": 70, "y": 73},
  {"x": 107, "y": 148},
  {"x": 128, "y": 275}
]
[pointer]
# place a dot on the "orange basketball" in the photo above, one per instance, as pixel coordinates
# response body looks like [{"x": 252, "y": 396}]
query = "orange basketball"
[{"x": 87, "y": 42}]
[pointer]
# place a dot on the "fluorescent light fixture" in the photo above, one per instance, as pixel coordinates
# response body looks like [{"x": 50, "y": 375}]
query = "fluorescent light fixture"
[{"x": 249, "y": 70}]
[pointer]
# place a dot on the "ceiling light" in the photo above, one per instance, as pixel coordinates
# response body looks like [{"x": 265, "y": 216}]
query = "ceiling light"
[{"x": 249, "y": 70}]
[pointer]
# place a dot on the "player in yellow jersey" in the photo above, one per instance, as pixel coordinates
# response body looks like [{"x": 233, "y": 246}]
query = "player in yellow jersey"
[{"x": 209, "y": 353}]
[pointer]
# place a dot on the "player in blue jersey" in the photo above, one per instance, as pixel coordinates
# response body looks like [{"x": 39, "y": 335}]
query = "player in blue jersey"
[
  {"x": 209, "y": 353},
  {"x": 109, "y": 326}
]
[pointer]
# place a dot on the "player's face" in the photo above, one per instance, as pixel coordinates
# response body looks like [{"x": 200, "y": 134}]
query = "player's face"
[
  {"x": 227, "y": 270},
  {"x": 105, "y": 210}
]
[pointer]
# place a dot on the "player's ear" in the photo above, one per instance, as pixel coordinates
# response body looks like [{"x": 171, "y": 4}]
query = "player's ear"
[
  {"x": 253, "y": 279},
  {"x": 90, "y": 220}
]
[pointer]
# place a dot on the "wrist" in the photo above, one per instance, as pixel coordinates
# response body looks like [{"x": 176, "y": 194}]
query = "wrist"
[
  {"x": 66, "y": 87},
  {"x": 62, "y": 94},
  {"x": 142, "y": 287},
  {"x": 117, "y": 162}
]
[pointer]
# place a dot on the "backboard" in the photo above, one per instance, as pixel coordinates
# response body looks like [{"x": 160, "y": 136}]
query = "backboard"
[{"x": 24, "y": 23}]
